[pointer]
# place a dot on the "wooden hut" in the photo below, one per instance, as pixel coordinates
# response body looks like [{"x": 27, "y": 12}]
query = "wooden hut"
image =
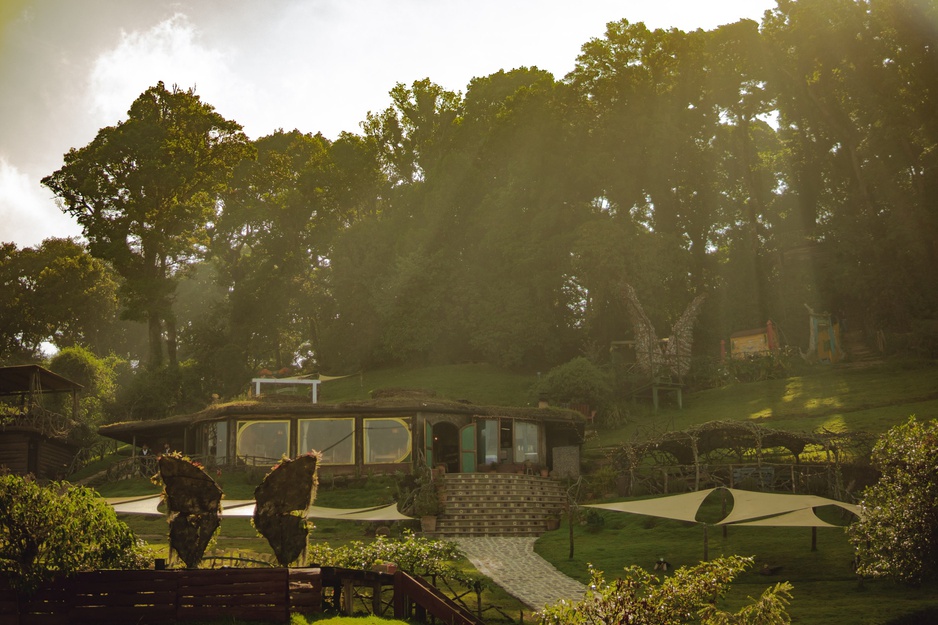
[{"x": 34, "y": 437}]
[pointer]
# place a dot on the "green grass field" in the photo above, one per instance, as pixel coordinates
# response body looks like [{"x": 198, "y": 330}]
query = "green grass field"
[{"x": 825, "y": 589}]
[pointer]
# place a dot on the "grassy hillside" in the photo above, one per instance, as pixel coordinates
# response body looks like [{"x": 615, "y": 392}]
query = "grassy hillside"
[{"x": 835, "y": 398}]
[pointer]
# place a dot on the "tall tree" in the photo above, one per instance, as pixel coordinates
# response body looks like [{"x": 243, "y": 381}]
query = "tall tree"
[
  {"x": 144, "y": 191},
  {"x": 56, "y": 293}
]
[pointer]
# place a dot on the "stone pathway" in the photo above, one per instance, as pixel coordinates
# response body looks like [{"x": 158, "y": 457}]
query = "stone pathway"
[{"x": 512, "y": 564}]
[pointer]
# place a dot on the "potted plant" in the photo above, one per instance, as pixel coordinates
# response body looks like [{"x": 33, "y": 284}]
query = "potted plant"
[{"x": 427, "y": 505}]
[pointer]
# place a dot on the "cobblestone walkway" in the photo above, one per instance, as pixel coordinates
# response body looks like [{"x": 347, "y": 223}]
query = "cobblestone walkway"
[{"x": 512, "y": 564}]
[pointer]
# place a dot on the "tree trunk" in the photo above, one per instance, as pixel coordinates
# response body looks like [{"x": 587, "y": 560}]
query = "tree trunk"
[
  {"x": 155, "y": 339},
  {"x": 171, "y": 341}
]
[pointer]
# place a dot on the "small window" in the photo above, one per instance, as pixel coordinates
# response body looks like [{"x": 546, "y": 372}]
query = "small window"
[
  {"x": 333, "y": 438},
  {"x": 387, "y": 441}
]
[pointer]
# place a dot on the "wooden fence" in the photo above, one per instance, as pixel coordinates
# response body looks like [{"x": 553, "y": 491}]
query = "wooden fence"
[{"x": 268, "y": 594}]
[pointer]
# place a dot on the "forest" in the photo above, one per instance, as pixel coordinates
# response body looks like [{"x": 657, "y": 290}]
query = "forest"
[{"x": 769, "y": 166}]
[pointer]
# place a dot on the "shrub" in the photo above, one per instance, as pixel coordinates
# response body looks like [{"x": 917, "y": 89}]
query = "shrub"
[
  {"x": 687, "y": 596},
  {"x": 60, "y": 529},
  {"x": 578, "y": 381}
]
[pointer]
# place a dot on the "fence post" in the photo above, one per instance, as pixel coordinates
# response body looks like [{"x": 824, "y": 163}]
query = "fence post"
[{"x": 399, "y": 601}]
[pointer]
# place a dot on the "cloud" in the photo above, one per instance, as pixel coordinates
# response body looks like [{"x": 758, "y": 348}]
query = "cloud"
[
  {"x": 172, "y": 51},
  {"x": 27, "y": 215}
]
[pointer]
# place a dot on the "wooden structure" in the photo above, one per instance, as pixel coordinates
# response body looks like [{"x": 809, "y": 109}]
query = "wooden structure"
[
  {"x": 263, "y": 594},
  {"x": 384, "y": 435},
  {"x": 36, "y": 438}
]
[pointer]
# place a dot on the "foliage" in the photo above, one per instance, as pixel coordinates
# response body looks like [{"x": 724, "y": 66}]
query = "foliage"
[
  {"x": 153, "y": 394},
  {"x": 748, "y": 162},
  {"x": 98, "y": 377},
  {"x": 577, "y": 381},
  {"x": 687, "y": 596},
  {"x": 896, "y": 536},
  {"x": 418, "y": 494},
  {"x": 59, "y": 529},
  {"x": 144, "y": 192},
  {"x": 56, "y": 292},
  {"x": 421, "y": 556},
  {"x": 772, "y": 366}
]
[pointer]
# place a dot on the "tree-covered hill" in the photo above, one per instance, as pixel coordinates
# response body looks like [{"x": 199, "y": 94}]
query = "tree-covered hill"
[{"x": 768, "y": 166}]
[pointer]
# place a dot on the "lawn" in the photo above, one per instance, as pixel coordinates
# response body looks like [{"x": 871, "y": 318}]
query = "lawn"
[
  {"x": 836, "y": 398},
  {"x": 825, "y": 588}
]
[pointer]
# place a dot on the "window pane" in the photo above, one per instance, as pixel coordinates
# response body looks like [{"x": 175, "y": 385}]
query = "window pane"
[
  {"x": 387, "y": 440},
  {"x": 263, "y": 442},
  {"x": 526, "y": 447},
  {"x": 333, "y": 438},
  {"x": 218, "y": 442},
  {"x": 488, "y": 441}
]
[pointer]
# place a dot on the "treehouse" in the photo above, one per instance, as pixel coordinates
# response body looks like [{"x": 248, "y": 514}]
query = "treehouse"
[
  {"x": 394, "y": 431},
  {"x": 36, "y": 437}
]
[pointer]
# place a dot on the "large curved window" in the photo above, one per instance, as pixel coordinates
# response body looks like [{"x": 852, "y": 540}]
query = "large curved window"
[
  {"x": 263, "y": 442},
  {"x": 387, "y": 440},
  {"x": 333, "y": 438}
]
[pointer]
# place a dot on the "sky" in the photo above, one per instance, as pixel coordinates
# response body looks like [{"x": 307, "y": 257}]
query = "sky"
[{"x": 71, "y": 67}]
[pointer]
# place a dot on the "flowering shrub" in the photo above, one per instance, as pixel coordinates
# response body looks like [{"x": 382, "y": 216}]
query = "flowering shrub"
[
  {"x": 687, "y": 596},
  {"x": 420, "y": 556}
]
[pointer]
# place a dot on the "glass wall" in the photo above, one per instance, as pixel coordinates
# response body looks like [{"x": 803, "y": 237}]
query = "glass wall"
[
  {"x": 333, "y": 438},
  {"x": 507, "y": 440},
  {"x": 263, "y": 442},
  {"x": 387, "y": 440}
]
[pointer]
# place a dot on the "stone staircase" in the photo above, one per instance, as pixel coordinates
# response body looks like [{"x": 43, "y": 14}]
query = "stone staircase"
[{"x": 498, "y": 504}]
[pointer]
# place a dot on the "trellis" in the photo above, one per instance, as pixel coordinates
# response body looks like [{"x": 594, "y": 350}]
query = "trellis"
[{"x": 722, "y": 453}]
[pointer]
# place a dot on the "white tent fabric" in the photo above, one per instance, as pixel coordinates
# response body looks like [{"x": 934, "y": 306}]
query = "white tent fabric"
[
  {"x": 753, "y": 508},
  {"x": 750, "y": 505},
  {"x": 148, "y": 506},
  {"x": 678, "y": 507},
  {"x": 797, "y": 518}
]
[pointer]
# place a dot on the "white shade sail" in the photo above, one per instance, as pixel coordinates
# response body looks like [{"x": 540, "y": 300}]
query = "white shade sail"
[
  {"x": 234, "y": 508},
  {"x": 749, "y": 508}
]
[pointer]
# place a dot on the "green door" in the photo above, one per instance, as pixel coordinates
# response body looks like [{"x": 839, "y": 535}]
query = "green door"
[
  {"x": 428, "y": 442},
  {"x": 467, "y": 449}
]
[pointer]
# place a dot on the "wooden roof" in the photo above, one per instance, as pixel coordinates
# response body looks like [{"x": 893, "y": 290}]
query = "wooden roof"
[{"x": 33, "y": 378}]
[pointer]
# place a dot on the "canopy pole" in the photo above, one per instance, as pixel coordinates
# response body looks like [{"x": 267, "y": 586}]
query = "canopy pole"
[
  {"x": 813, "y": 539},
  {"x": 725, "y": 530}
]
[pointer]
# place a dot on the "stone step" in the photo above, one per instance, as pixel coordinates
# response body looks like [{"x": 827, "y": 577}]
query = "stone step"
[{"x": 498, "y": 504}]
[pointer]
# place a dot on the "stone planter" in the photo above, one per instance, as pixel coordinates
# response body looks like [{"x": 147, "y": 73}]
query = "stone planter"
[{"x": 428, "y": 524}]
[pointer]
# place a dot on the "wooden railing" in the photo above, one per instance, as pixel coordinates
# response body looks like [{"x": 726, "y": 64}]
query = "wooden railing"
[
  {"x": 415, "y": 599},
  {"x": 254, "y": 594}
]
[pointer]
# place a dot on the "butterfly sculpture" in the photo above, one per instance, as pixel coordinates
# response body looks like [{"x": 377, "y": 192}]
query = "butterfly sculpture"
[
  {"x": 281, "y": 502},
  {"x": 193, "y": 499},
  {"x": 674, "y": 359}
]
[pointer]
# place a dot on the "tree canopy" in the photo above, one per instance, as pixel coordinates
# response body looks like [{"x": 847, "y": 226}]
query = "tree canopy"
[
  {"x": 144, "y": 192},
  {"x": 769, "y": 165}
]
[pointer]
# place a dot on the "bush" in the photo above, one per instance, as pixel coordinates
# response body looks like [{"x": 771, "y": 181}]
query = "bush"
[
  {"x": 578, "y": 381},
  {"x": 60, "y": 529},
  {"x": 687, "y": 596}
]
